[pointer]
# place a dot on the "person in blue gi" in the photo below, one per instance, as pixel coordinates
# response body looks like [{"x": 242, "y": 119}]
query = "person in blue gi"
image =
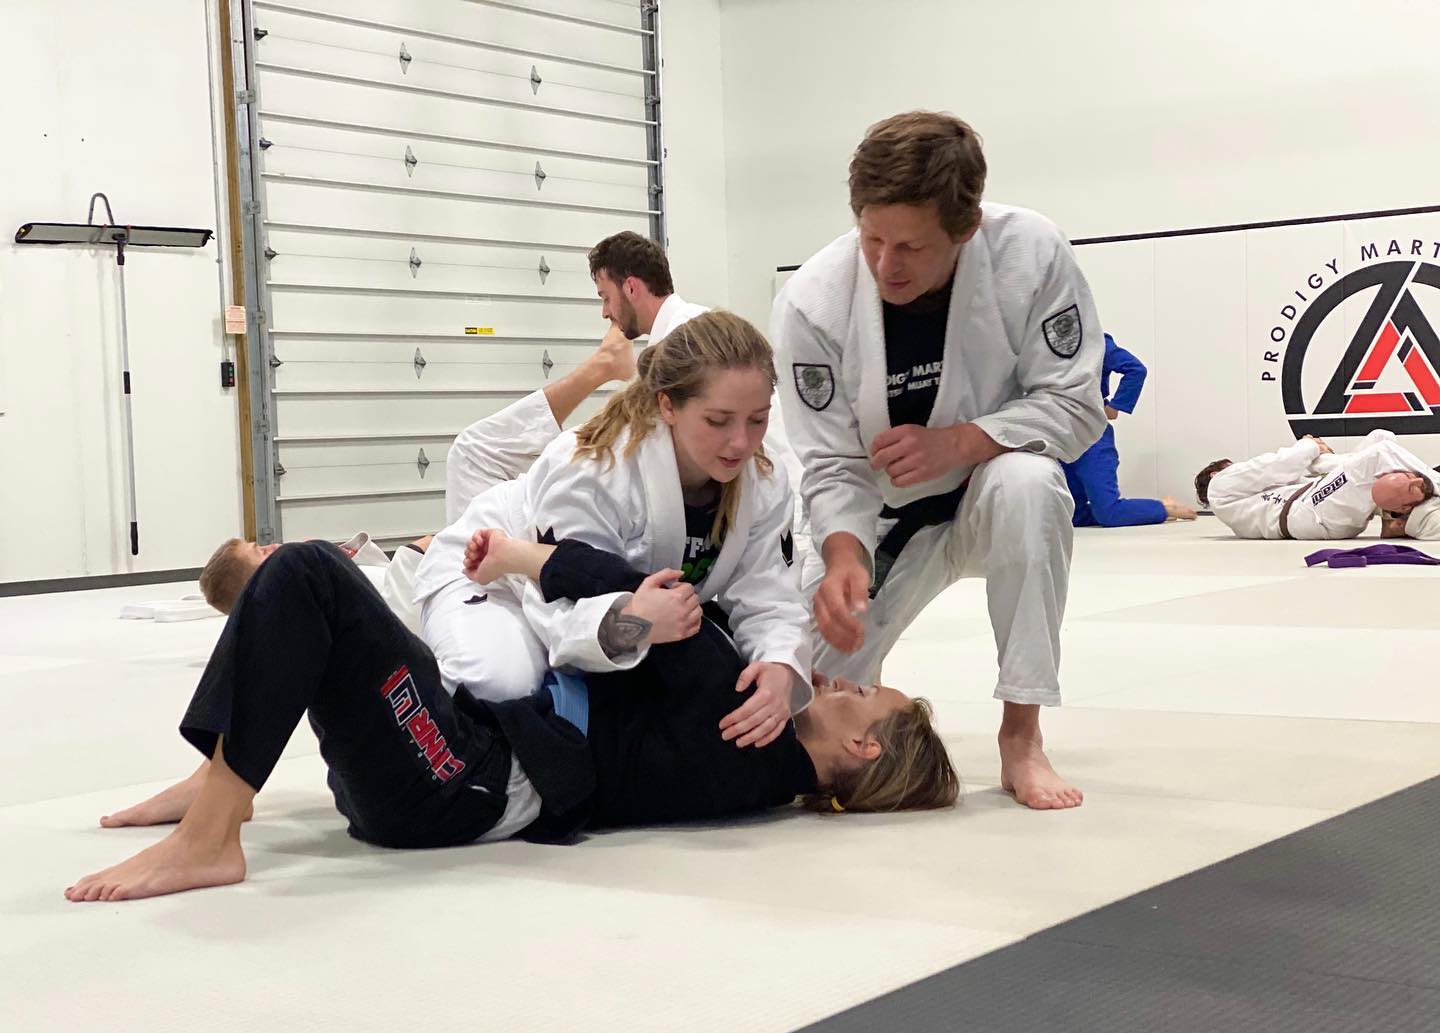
[{"x": 1093, "y": 478}]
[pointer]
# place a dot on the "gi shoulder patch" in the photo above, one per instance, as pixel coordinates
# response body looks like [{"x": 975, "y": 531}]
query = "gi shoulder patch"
[
  {"x": 1063, "y": 332},
  {"x": 816, "y": 384}
]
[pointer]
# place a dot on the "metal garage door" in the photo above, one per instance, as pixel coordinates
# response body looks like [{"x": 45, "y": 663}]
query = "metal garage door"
[{"x": 424, "y": 181}]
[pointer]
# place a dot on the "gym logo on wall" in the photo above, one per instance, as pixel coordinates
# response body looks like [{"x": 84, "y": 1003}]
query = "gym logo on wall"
[{"x": 1387, "y": 375}]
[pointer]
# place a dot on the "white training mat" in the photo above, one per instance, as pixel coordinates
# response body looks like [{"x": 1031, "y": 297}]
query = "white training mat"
[{"x": 1216, "y": 700}]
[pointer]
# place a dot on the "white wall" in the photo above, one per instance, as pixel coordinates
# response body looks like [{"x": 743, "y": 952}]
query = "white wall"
[
  {"x": 1110, "y": 116},
  {"x": 693, "y": 118},
  {"x": 113, "y": 98}
]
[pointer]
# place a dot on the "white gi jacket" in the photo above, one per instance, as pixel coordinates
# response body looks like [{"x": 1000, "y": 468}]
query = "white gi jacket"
[
  {"x": 1424, "y": 521},
  {"x": 673, "y": 311},
  {"x": 393, "y": 577},
  {"x": 1023, "y": 350},
  {"x": 1331, "y": 492},
  {"x": 635, "y": 510}
]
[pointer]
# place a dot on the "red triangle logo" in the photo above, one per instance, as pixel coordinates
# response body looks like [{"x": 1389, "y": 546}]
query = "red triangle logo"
[{"x": 1362, "y": 398}]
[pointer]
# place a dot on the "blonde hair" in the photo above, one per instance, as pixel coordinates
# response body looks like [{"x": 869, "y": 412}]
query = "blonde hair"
[
  {"x": 677, "y": 367},
  {"x": 912, "y": 773},
  {"x": 224, "y": 576}
]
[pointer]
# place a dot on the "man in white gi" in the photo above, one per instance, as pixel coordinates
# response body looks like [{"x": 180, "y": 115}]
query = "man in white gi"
[
  {"x": 936, "y": 366},
  {"x": 1306, "y": 491}
]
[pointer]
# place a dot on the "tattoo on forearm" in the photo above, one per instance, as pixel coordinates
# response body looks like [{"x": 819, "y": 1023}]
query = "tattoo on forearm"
[{"x": 622, "y": 633}]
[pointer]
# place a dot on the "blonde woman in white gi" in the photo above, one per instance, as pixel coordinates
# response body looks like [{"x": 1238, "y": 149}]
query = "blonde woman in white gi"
[{"x": 670, "y": 475}]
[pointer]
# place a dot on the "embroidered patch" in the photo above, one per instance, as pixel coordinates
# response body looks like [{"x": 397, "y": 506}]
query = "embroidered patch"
[
  {"x": 1328, "y": 490},
  {"x": 1063, "y": 332},
  {"x": 816, "y": 384}
]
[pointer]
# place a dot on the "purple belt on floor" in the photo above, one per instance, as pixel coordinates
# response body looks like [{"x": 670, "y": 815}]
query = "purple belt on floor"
[{"x": 1371, "y": 556}]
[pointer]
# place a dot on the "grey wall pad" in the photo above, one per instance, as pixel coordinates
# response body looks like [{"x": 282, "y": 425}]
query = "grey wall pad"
[{"x": 1334, "y": 929}]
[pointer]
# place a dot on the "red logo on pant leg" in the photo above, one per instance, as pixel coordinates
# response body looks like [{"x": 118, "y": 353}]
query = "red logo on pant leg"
[{"x": 399, "y": 690}]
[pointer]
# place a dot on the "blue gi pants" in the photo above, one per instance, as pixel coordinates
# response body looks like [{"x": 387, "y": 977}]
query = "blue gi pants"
[{"x": 1093, "y": 480}]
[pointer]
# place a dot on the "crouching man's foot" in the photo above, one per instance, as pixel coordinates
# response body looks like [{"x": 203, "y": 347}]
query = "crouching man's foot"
[{"x": 1025, "y": 771}]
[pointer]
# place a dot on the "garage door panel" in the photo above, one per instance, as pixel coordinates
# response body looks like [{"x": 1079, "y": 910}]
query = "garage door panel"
[
  {"x": 375, "y": 54},
  {"x": 501, "y": 26},
  {"x": 517, "y": 377},
  {"x": 290, "y": 91},
  {"x": 395, "y": 274},
  {"x": 389, "y": 143},
  {"x": 329, "y": 487},
  {"x": 309, "y": 415},
  {"x": 402, "y": 517},
  {"x": 404, "y": 201},
  {"x": 561, "y": 261},
  {"x": 520, "y": 184},
  {"x": 396, "y": 211},
  {"x": 438, "y": 352},
  {"x": 362, "y": 475},
  {"x": 360, "y": 313}
]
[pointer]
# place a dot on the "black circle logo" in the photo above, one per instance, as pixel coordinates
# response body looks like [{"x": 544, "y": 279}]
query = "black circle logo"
[{"x": 1394, "y": 331}]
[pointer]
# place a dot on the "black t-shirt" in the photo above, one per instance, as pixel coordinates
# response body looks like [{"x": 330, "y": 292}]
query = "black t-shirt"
[
  {"x": 700, "y": 545},
  {"x": 915, "y": 354}
]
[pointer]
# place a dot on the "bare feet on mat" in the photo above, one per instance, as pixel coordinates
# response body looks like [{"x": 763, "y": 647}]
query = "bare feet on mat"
[
  {"x": 1025, "y": 771},
  {"x": 1176, "y": 510},
  {"x": 179, "y": 862},
  {"x": 165, "y": 807}
]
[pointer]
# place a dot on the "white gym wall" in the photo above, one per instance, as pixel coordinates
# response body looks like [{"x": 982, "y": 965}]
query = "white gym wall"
[
  {"x": 112, "y": 98},
  {"x": 1110, "y": 117}
]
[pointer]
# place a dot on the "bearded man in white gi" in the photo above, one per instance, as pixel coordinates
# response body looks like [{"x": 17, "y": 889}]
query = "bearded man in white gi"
[{"x": 936, "y": 366}]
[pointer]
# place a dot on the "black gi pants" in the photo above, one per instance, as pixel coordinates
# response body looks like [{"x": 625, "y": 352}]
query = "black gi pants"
[{"x": 310, "y": 632}]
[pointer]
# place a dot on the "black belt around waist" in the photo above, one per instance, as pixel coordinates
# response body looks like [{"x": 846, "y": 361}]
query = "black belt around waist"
[
  {"x": 910, "y": 519},
  {"x": 1285, "y": 510}
]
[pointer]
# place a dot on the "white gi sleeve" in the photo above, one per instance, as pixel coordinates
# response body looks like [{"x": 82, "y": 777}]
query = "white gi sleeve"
[
  {"x": 398, "y": 587},
  {"x": 838, "y": 487},
  {"x": 1060, "y": 412},
  {"x": 768, "y": 618},
  {"x": 568, "y": 500},
  {"x": 1376, "y": 458},
  {"x": 1290, "y": 465}
]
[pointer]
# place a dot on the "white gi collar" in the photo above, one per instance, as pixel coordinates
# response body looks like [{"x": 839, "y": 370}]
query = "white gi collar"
[
  {"x": 867, "y": 321},
  {"x": 664, "y": 533}
]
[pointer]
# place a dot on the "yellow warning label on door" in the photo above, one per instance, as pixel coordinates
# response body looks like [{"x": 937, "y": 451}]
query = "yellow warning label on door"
[{"x": 484, "y": 331}]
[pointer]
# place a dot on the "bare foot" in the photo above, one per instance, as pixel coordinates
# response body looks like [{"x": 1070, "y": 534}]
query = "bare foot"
[
  {"x": 178, "y": 862},
  {"x": 616, "y": 354},
  {"x": 167, "y": 806},
  {"x": 1025, "y": 771},
  {"x": 1176, "y": 510}
]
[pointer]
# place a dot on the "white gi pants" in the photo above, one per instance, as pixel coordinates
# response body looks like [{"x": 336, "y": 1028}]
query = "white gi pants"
[
  {"x": 488, "y": 647},
  {"x": 1013, "y": 529},
  {"x": 499, "y": 448}
]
